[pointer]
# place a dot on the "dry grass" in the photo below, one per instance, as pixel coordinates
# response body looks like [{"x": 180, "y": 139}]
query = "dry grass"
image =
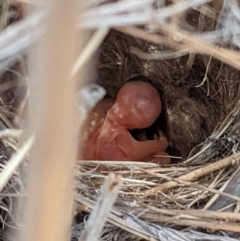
[{"x": 190, "y": 50}]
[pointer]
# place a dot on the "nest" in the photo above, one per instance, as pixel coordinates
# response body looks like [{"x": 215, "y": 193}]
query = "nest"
[{"x": 197, "y": 197}]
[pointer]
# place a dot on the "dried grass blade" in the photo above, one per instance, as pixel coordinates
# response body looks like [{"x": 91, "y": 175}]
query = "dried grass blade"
[
  {"x": 102, "y": 208},
  {"x": 192, "y": 176},
  {"x": 14, "y": 163}
]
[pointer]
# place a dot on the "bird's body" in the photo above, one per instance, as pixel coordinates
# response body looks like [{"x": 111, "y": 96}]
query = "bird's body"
[{"x": 106, "y": 132}]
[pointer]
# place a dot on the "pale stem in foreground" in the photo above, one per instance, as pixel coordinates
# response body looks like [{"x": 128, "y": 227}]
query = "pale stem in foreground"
[{"x": 54, "y": 123}]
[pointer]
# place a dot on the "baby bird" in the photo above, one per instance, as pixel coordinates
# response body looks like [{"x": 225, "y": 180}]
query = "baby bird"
[
  {"x": 91, "y": 129},
  {"x": 106, "y": 133}
]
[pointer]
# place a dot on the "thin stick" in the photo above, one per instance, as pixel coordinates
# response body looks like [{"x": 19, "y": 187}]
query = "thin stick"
[
  {"x": 17, "y": 38},
  {"x": 201, "y": 187},
  {"x": 213, "y": 183},
  {"x": 206, "y": 74},
  {"x": 89, "y": 49},
  {"x": 195, "y": 174},
  {"x": 224, "y": 126},
  {"x": 161, "y": 55},
  {"x": 201, "y": 46},
  {"x": 122, "y": 163},
  {"x": 214, "y": 198},
  {"x": 115, "y": 219},
  {"x": 155, "y": 232},
  {"x": 141, "y": 18},
  {"x": 14, "y": 163},
  {"x": 213, "y": 225},
  {"x": 117, "y": 8},
  {"x": 193, "y": 43},
  {"x": 197, "y": 213},
  {"x": 102, "y": 209},
  {"x": 53, "y": 120}
]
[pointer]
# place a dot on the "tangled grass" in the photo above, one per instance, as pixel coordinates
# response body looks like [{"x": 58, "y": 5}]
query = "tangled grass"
[{"x": 190, "y": 50}]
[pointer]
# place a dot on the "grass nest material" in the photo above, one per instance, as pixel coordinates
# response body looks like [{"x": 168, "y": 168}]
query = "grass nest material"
[{"x": 197, "y": 197}]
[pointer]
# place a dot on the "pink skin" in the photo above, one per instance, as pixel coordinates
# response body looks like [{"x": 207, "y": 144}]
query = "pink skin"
[
  {"x": 137, "y": 106},
  {"x": 93, "y": 126},
  {"x": 160, "y": 157}
]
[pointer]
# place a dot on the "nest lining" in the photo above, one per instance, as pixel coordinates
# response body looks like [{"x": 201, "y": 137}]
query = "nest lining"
[{"x": 201, "y": 105}]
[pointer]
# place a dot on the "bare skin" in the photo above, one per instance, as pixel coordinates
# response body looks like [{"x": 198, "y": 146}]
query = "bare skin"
[
  {"x": 137, "y": 106},
  {"x": 91, "y": 129},
  {"x": 160, "y": 156}
]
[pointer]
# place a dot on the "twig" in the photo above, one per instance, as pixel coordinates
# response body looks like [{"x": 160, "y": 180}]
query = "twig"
[
  {"x": 233, "y": 197},
  {"x": 213, "y": 183},
  {"x": 152, "y": 232},
  {"x": 116, "y": 220},
  {"x": 213, "y": 225},
  {"x": 159, "y": 55},
  {"x": 214, "y": 198},
  {"x": 179, "y": 7},
  {"x": 14, "y": 163},
  {"x": 200, "y": 46},
  {"x": 18, "y": 37},
  {"x": 117, "y": 163},
  {"x": 154, "y": 38},
  {"x": 215, "y": 135},
  {"x": 89, "y": 49},
  {"x": 194, "y": 174},
  {"x": 207, "y": 11},
  {"x": 190, "y": 61},
  {"x": 6, "y": 121},
  {"x": 102, "y": 209},
  {"x": 117, "y": 7},
  {"x": 206, "y": 76},
  {"x": 139, "y": 18},
  {"x": 187, "y": 41},
  {"x": 196, "y": 213}
]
